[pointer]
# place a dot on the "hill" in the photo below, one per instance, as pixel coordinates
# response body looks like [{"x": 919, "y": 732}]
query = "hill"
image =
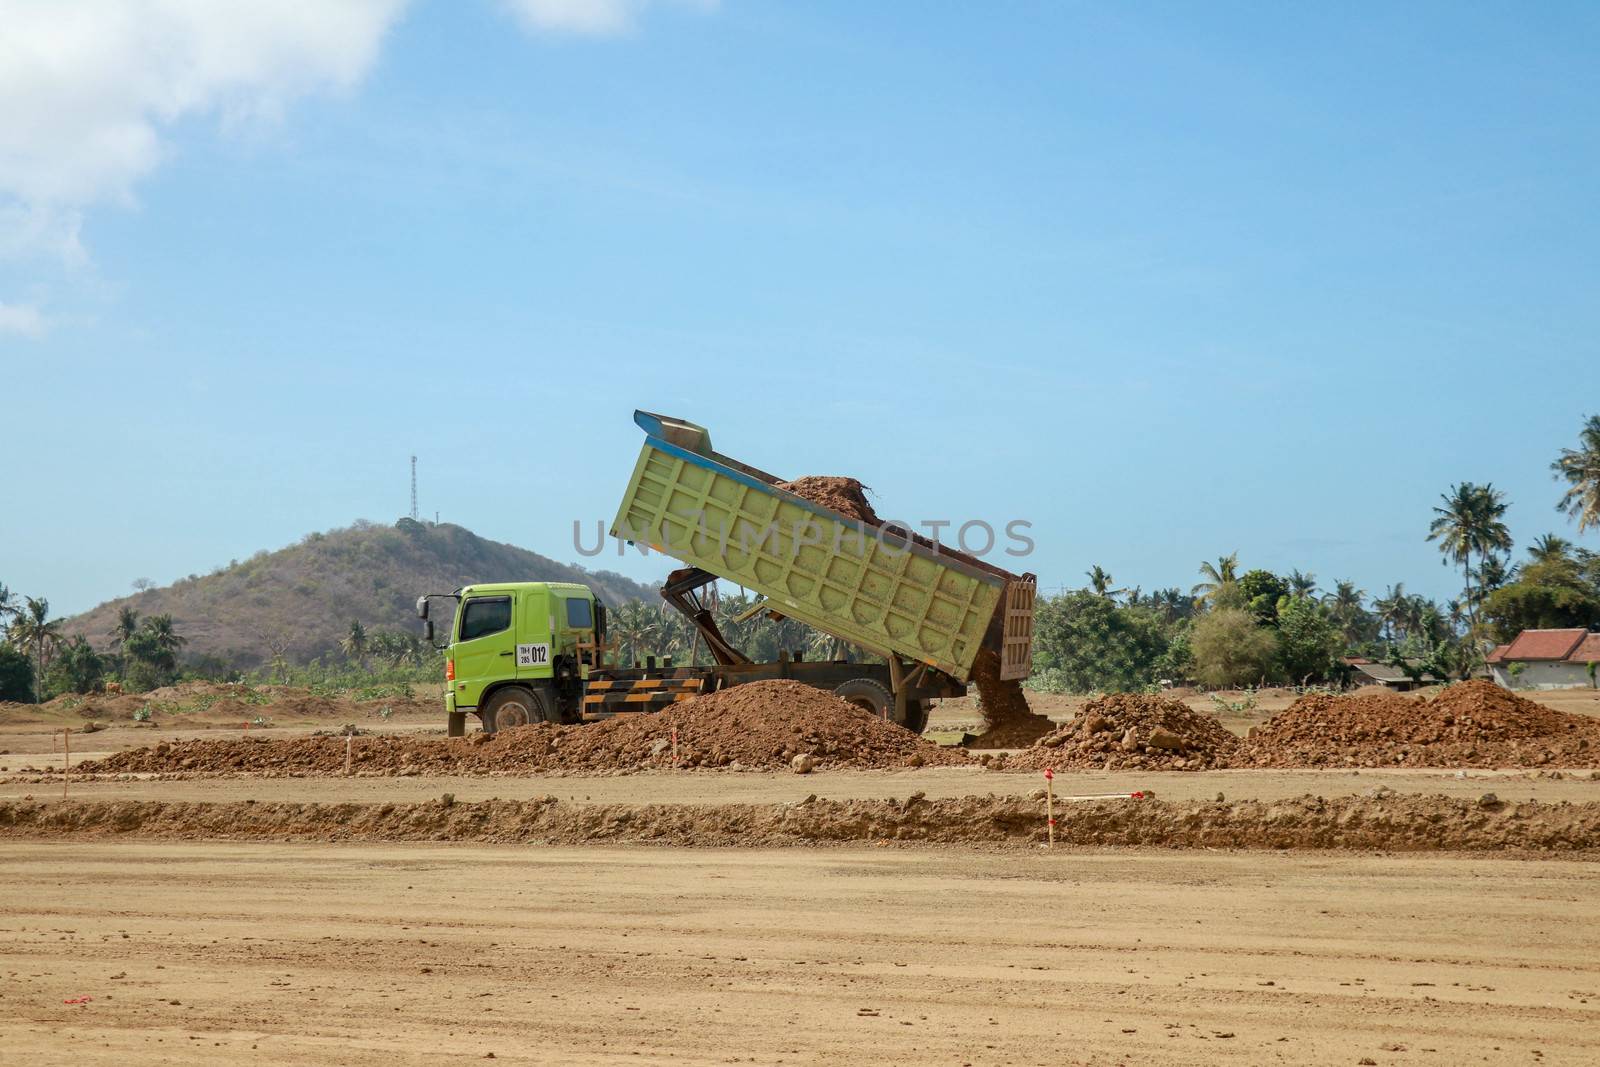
[{"x": 302, "y": 598}]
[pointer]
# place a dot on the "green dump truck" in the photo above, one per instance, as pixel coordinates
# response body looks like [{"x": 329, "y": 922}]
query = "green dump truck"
[{"x": 929, "y": 614}]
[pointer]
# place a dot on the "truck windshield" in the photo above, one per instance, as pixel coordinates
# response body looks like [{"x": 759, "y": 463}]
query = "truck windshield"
[
  {"x": 580, "y": 615},
  {"x": 485, "y": 615}
]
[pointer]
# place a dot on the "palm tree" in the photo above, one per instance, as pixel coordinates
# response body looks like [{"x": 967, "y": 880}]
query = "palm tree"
[
  {"x": 1490, "y": 575},
  {"x": 1430, "y": 620},
  {"x": 1471, "y": 520},
  {"x": 635, "y": 626},
  {"x": 1171, "y": 603},
  {"x": 127, "y": 625},
  {"x": 354, "y": 643},
  {"x": 8, "y": 607},
  {"x": 1223, "y": 572},
  {"x": 821, "y": 646},
  {"x": 1302, "y": 584},
  {"x": 1345, "y": 606},
  {"x": 399, "y": 648},
  {"x": 163, "y": 636},
  {"x": 1100, "y": 582},
  {"x": 35, "y": 631},
  {"x": 1549, "y": 548},
  {"x": 1581, "y": 468},
  {"x": 1392, "y": 609}
]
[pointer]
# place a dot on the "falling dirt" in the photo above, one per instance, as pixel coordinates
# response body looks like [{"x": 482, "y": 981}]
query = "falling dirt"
[
  {"x": 1397, "y": 823},
  {"x": 1008, "y": 721},
  {"x": 1132, "y": 731},
  {"x": 1470, "y": 724},
  {"x": 762, "y": 725}
]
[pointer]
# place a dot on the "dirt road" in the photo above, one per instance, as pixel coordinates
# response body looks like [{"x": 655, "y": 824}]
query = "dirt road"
[
  {"x": 761, "y": 787},
  {"x": 411, "y": 954}
]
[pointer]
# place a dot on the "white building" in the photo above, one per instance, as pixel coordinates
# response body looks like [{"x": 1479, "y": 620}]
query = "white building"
[{"x": 1546, "y": 659}]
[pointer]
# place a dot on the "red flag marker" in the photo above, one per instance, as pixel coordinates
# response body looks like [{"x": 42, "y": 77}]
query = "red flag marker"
[{"x": 1050, "y": 805}]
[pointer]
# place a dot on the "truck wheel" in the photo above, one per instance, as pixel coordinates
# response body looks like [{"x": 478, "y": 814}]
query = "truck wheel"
[
  {"x": 514, "y": 706},
  {"x": 917, "y": 716},
  {"x": 867, "y": 695},
  {"x": 874, "y": 697}
]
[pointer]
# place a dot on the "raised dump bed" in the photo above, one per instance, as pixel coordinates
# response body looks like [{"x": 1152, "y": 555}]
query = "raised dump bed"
[{"x": 875, "y": 587}]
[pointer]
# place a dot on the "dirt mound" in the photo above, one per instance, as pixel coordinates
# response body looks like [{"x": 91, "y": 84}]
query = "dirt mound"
[
  {"x": 1132, "y": 731},
  {"x": 845, "y": 495},
  {"x": 761, "y": 725},
  {"x": 1399, "y": 823},
  {"x": 1470, "y": 724},
  {"x": 757, "y": 726}
]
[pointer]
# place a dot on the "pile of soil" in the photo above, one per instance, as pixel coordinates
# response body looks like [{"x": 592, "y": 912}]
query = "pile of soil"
[
  {"x": 845, "y": 495},
  {"x": 758, "y": 726},
  {"x": 1008, "y": 721},
  {"x": 1132, "y": 731},
  {"x": 1392, "y": 823},
  {"x": 1470, "y": 724}
]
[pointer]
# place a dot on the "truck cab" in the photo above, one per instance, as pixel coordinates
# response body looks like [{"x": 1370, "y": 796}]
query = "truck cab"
[{"x": 517, "y": 652}]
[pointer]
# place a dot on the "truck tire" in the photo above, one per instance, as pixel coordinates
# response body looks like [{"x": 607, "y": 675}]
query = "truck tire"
[
  {"x": 868, "y": 695},
  {"x": 917, "y": 716},
  {"x": 515, "y": 706},
  {"x": 873, "y": 696}
]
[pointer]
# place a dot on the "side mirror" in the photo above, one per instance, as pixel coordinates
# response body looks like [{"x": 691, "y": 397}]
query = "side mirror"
[
  {"x": 422, "y": 607},
  {"x": 599, "y": 621},
  {"x": 427, "y": 631}
]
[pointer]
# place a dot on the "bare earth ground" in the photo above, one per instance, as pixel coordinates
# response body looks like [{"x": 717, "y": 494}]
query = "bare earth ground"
[
  {"x": 195, "y": 953},
  {"x": 954, "y": 716},
  {"x": 411, "y": 953}
]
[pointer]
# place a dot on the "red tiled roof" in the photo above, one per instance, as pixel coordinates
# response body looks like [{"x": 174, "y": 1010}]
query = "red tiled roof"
[
  {"x": 1499, "y": 654},
  {"x": 1544, "y": 644},
  {"x": 1588, "y": 650}
]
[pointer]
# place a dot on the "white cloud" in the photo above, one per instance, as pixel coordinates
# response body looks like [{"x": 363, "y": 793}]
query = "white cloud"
[
  {"x": 594, "y": 17},
  {"x": 21, "y": 319},
  {"x": 89, "y": 90},
  {"x": 87, "y": 87}
]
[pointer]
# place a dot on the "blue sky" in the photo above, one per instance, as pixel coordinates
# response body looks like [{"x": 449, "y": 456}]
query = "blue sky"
[{"x": 1166, "y": 281}]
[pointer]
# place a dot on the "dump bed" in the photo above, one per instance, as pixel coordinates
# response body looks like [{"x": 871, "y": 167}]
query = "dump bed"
[{"x": 855, "y": 581}]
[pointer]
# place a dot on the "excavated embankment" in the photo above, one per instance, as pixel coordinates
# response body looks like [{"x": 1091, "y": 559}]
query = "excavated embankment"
[{"x": 1390, "y": 823}]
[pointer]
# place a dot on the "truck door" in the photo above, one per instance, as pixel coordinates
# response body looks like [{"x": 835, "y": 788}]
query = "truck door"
[
  {"x": 483, "y": 650},
  {"x": 535, "y": 647}
]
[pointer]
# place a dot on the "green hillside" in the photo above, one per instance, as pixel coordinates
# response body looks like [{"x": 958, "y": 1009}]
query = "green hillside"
[{"x": 301, "y": 599}]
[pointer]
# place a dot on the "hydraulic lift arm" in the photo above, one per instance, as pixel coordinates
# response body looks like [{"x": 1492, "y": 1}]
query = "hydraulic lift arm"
[{"x": 682, "y": 591}]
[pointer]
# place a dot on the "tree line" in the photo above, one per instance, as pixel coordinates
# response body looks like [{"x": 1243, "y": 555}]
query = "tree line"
[
  {"x": 1246, "y": 627},
  {"x": 38, "y": 661}
]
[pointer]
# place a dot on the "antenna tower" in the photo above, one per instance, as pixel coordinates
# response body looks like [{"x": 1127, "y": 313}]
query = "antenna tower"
[{"x": 413, "y": 488}]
